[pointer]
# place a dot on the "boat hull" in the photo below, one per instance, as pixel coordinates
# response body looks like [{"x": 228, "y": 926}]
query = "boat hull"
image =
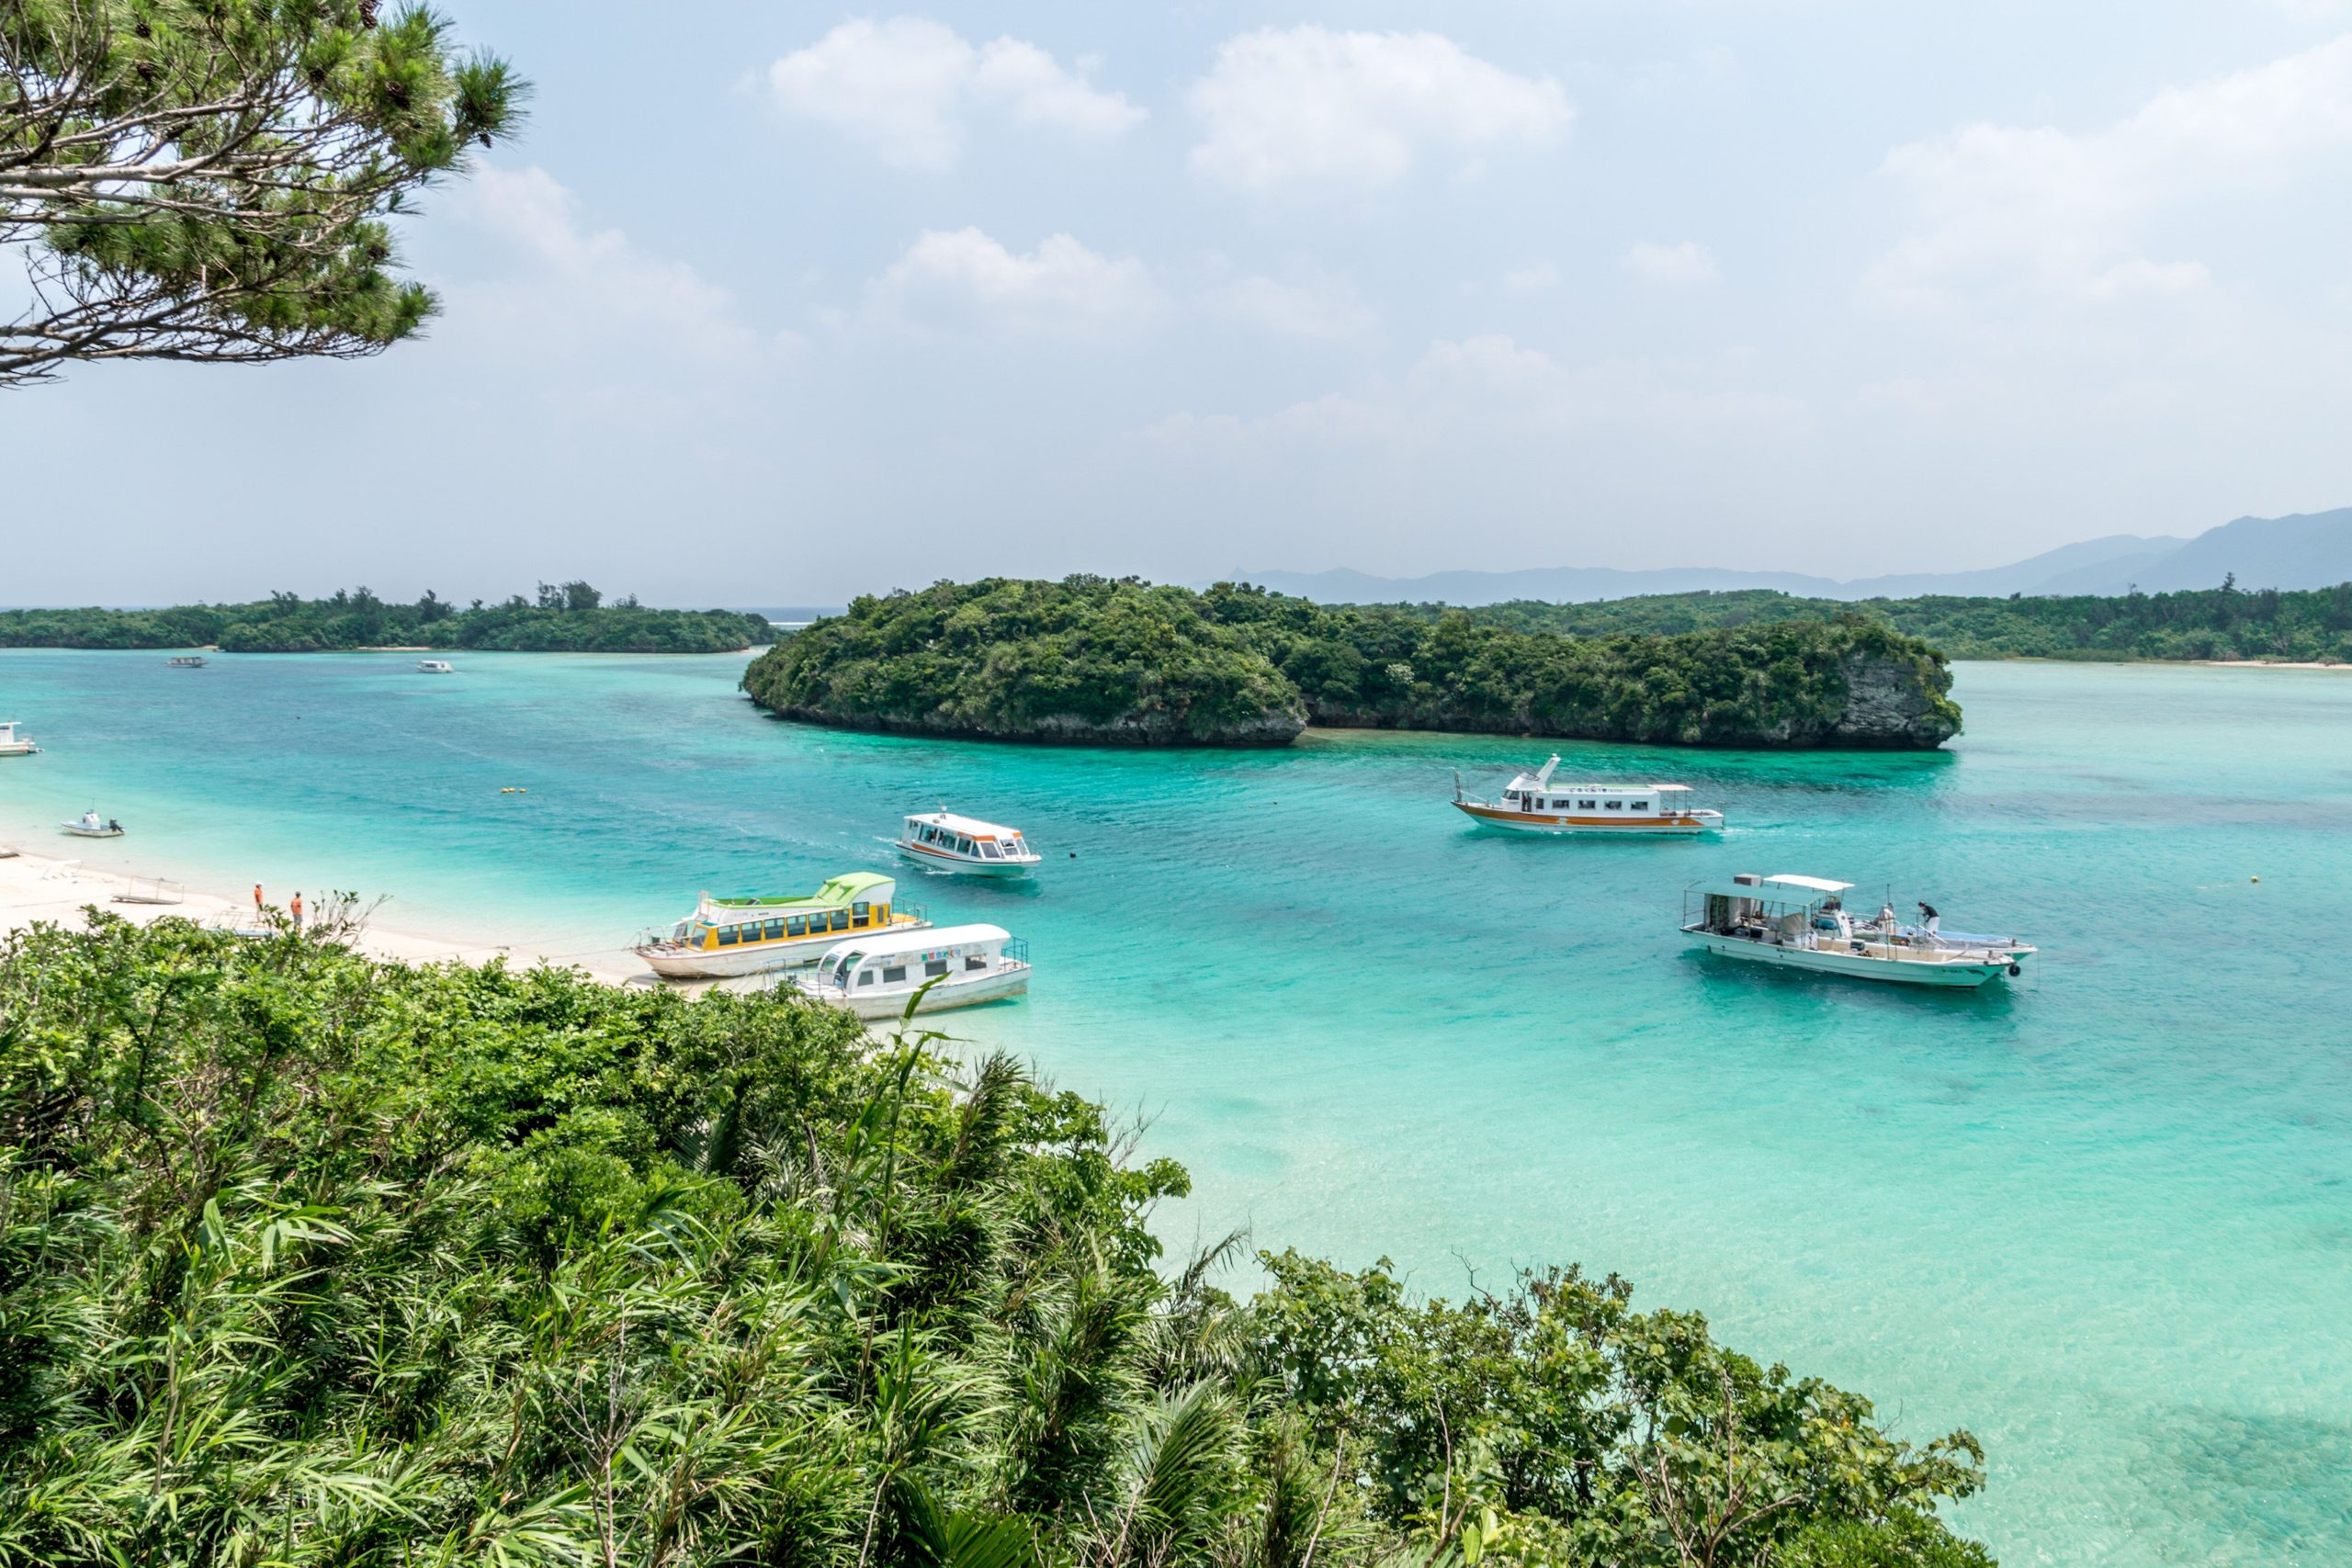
[
  {"x": 94, "y": 833},
  {"x": 1953, "y": 975},
  {"x": 924, "y": 855},
  {"x": 732, "y": 962},
  {"x": 956, "y": 991},
  {"x": 1688, "y": 824}
]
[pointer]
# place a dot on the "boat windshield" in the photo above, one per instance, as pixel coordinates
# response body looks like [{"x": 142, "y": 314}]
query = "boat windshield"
[{"x": 989, "y": 849}]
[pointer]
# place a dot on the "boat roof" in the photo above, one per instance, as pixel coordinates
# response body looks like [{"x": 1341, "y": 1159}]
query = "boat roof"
[
  {"x": 1786, "y": 888},
  {"x": 1556, "y": 787},
  {"x": 970, "y": 827},
  {"x": 849, "y": 887},
  {"x": 917, "y": 941}
]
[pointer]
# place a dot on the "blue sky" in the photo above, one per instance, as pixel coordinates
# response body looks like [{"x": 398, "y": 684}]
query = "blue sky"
[{"x": 779, "y": 304}]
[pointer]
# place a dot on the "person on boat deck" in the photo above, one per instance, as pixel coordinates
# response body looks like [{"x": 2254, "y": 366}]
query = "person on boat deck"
[{"x": 1927, "y": 913}]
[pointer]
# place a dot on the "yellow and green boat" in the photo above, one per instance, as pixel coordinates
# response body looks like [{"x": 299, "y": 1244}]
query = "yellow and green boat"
[{"x": 747, "y": 935}]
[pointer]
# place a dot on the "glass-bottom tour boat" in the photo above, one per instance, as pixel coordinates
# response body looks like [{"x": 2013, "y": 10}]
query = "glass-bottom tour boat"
[
  {"x": 725, "y": 937},
  {"x": 945, "y": 842},
  {"x": 1532, "y": 803},
  {"x": 1801, "y": 922},
  {"x": 962, "y": 965}
]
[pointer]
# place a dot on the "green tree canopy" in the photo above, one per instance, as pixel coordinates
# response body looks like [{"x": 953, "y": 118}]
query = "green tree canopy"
[{"x": 212, "y": 179}]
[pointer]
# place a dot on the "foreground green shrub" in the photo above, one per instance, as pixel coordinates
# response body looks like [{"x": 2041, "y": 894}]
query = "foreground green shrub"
[{"x": 309, "y": 1259}]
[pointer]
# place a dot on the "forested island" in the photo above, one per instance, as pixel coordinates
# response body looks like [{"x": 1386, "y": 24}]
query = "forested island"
[
  {"x": 1124, "y": 661},
  {"x": 570, "y": 618},
  {"x": 307, "y": 1257},
  {"x": 2228, "y": 621}
]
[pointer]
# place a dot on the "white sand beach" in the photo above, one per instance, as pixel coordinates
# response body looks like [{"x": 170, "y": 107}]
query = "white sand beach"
[{"x": 58, "y": 889}]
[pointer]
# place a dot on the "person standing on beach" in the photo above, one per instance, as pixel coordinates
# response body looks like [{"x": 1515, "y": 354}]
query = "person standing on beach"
[
  {"x": 257, "y": 904},
  {"x": 294, "y": 908}
]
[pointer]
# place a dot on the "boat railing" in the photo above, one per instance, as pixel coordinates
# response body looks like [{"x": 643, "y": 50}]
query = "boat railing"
[
  {"x": 1016, "y": 949},
  {"x": 910, "y": 911}
]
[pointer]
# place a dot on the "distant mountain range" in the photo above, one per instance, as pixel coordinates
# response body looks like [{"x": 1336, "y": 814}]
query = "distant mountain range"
[{"x": 2310, "y": 549}]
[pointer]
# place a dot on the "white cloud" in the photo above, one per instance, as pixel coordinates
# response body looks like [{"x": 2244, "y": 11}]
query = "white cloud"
[
  {"x": 1676, "y": 266},
  {"x": 1532, "y": 279},
  {"x": 1305, "y": 107},
  {"x": 903, "y": 87},
  {"x": 1327, "y": 312},
  {"x": 965, "y": 281},
  {"x": 581, "y": 287},
  {"x": 2011, "y": 209}
]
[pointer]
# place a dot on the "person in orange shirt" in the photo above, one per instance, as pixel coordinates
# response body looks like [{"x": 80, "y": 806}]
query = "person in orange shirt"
[
  {"x": 294, "y": 908},
  {"x": 257, "y": 899}
]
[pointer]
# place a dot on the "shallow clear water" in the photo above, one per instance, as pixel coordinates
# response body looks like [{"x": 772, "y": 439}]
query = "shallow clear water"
[{"x": 2102, "y": 1216}]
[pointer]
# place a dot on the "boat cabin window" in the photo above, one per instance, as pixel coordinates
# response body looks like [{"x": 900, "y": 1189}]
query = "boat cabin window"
[
  {"x": 893, "y": 974},
  {"x": 1616, "y": 806},
  {"x": 796, "y": 925},
  {"x": 840, "y": 919},
  {"x": 1510, "y": 794},
  {"x": 861, "y": 914},
  {"x": 841, "y": 970},
  {"x": 936, "y": 966},
  {"x": 964, "y": 846},
  {"x": 974, "y": 961},
  {"x": 866, "y": 976},
  {"x": 1639, "y": 805},
  {"x": 1586, "y": 805},
  {"x": 991, "y": 850},
  {"x": 684, "y": 927},
  {"x": 728, "y": 935}
]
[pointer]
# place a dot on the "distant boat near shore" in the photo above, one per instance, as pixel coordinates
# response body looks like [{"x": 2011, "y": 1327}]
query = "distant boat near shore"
[
  {"x": 90, "y": 825},
  {"x": 13, "y": 744}
]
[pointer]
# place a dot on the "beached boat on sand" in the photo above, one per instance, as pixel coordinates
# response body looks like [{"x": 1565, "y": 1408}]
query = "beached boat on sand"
[
  {"x": 963, "y": 966},
  {"x": 1532, "y": 803},
  {"x": 750, "y": 935},
  {"x": 1801, "y": 922}
]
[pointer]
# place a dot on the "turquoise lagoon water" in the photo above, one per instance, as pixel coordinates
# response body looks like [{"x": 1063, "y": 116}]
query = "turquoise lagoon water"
[{"x": 2102, "y": 1217}]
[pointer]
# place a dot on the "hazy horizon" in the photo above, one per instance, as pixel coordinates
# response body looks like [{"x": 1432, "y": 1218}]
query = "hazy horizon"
[{"x": 868, "y": 299}]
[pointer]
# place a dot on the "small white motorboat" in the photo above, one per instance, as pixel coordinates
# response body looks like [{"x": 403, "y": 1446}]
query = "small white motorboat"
[
  {"x": 963, "y": 966},
  {"x": 435, "y": 666},
  {"x": 186, "y": 661},
  {"x": 948, "y": 842},
  {"x": 1532, "y": 803},
  {"x": 1801, "y": 922},
  {"x": 13, "y": 744},
  {"x": 90, "y": 825}
]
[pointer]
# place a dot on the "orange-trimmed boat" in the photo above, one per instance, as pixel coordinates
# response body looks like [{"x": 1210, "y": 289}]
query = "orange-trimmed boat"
[{"x": 1533, "y": 802}]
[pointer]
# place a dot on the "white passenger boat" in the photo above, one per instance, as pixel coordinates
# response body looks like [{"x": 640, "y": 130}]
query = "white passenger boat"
[
  {"x": 1532, "y": 803},
  {"x": 186, "y": 661},
  {"x": 964, "y": 965},
  {"x": 13, "y": 744},
  {"x": 1801, "y": 922},
  {"x": 948, "y": 842},
  {"x": 434, "y": 667},
  {"x": 747, "y": 936},
  {"x": 90, "y": 825}
]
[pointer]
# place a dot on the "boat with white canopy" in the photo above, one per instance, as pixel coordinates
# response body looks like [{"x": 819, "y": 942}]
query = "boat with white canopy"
[
  {"x": 13, "y": 744},
  {"x": 963, "y": 966},
  {"x": 90, "y": 825},
  {"x": 1801, "y": 922},
  {"x": 945, "y": 842},
  {"x": 1533, "y": 802}
]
